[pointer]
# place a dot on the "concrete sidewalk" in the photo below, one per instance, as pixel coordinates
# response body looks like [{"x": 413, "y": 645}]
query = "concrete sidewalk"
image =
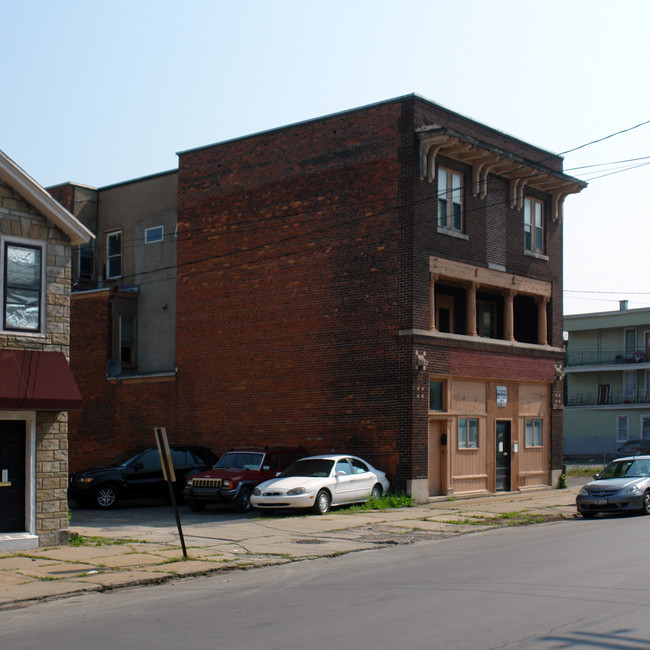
[{"x": 111, "y": 558}]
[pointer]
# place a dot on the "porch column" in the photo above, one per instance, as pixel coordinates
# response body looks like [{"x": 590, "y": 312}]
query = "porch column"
[
  {"x": 432, "y": 302},
  {"x": 508, "y": 316},
  {"x": 542, "y": 326},
  {"x": 470, "y": 309}
]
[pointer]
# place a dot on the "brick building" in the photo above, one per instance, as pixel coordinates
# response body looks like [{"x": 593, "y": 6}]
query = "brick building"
[
  {"x": 385, "y": 281},
  {"x": 37, "y": 388}
]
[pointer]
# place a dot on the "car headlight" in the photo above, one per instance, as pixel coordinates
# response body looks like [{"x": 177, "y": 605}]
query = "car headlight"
[
  {"x": 631, "y": 489},
  {"x": 257, "y": 492},
  {"x": 226, "y": 484},
  {"x": 583, "y": 493},
  {"x": 188, "y": 482},
  {"x": 84, "y": 480},
  {"x": 298, "y": 490}
]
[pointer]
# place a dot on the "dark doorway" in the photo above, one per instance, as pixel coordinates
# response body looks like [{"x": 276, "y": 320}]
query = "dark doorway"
[
  {"x": 12, "y": 476},
  {"x": 503, "y": 456}
]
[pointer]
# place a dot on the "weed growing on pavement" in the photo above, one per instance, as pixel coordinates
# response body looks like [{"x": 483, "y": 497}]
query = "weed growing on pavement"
[
  {"x": 385, "y": 502},
  {"x": 80, "y": 540}
]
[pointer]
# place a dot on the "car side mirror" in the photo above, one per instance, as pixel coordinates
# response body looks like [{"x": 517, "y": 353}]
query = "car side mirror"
[{"x": 340, "y": 473}]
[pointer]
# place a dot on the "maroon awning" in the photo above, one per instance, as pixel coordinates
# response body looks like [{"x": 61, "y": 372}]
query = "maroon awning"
[{"x": 31, "y": 380}]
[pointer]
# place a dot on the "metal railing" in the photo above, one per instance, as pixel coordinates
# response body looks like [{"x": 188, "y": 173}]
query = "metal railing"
[
  {"x": 614, "y": 397},
  {"x": 604, "y": 357}
]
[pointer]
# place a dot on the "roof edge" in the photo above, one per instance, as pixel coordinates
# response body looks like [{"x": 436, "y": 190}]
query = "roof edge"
[{"x": 20, "y": 181}]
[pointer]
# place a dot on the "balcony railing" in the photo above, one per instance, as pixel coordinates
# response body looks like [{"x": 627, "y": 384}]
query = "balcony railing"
[
  {"x": 604, "y": 357},
  {"x": 616, "y": 397}
]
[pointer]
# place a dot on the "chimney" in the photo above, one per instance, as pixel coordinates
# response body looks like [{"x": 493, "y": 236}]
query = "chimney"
[{"x": 623, "y": 305}]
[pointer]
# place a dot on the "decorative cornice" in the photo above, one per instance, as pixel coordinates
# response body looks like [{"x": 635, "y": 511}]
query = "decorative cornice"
[{"x": 485, "y": 159}]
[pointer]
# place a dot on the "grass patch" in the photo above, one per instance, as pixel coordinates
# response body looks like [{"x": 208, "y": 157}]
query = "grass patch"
[
  {"x": 80, "y": 540},
  {"x": 385, "y": 502},
  {"x": 584, "y": 472}
]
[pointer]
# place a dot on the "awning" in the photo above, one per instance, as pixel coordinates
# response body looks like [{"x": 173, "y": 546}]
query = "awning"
[{"x": 31, "y": 380}]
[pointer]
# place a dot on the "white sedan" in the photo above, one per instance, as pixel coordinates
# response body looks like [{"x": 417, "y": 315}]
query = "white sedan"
[{"x": 318, "y": 482}]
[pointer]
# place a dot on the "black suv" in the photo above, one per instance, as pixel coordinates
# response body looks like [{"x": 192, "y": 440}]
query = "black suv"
[
  {"x": 136, "y": 473},
  {"x": 236, "y": 474}
]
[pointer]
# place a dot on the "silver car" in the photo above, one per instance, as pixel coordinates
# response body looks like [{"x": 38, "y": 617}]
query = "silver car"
[{"x": 624, "y": 485}]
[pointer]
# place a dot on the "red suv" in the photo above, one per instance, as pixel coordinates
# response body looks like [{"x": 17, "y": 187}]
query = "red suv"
[{"x": 238, "y": 471}]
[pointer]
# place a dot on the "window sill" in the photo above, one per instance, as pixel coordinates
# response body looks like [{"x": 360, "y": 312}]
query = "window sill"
[
  {"x": 537, "y": 256},
  {"x": 452, "y": 233}
]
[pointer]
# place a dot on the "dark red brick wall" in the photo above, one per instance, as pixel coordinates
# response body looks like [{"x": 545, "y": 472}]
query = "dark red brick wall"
[{"x": 293, "y": 302}]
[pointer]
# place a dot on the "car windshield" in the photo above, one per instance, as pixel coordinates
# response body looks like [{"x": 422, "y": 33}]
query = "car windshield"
[
  {"x": 314, "y": 468},
  {"x": 240, "y": 460},
  {"x": 626, "y": 469}
]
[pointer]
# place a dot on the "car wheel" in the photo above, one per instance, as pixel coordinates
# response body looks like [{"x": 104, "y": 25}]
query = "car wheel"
[
  {"x": 106, "y": 497},
  {"x": 377, "y": 491},
  {"x": 646, "y": 503},
  {"x": 243, "y": 502},
  {"x": 322, "y": 504},
  {"x": 196, "y": 506}
]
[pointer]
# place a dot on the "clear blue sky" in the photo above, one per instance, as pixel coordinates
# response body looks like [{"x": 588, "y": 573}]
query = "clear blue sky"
[{"x": 101, "y": 92}]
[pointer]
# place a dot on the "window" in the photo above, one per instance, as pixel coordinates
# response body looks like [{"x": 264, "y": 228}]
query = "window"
[
  {"x": 114, "y": 254},
  {"x": 621, "y": 428},
  {"x": 534, "y": 431},
  {"x": 127, "y": 341},
  {"x": 630, "y": 342},
  {"x": 645, "y": 427},
  {"x": 629, "y": 386},
  {"x": 87, "y": 260},
  {"x": 343, "y": 466},
  {"x": 533, "y": 225},
  {"x": 358, "y": 466},
  {"x": 467, "y": 433},
  {"x": 22, "y": 290},
  {"x": 153, "y": 235},
  {"x": 436, "y": 396},
  {"x": 450, "y": 199}
]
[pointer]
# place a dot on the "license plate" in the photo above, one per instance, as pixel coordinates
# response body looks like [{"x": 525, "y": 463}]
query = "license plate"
[{"x": 600, "y": 502}]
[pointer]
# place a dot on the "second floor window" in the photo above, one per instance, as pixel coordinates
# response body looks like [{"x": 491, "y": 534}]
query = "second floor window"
[
  {"x": 114, "y": 254},
  {"x": 22, "y": 291},
  {"x": 533, "y": 225},
  {"x": 450, "y": 199}
]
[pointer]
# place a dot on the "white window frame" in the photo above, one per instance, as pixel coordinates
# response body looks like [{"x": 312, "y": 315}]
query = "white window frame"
[
  {"x": 450, "y": 194},
  {"x": 629, "y": 350},
  {"x": 109, "y": 257},
  {"x": 465, "y": 438},
  {"x": 26, "y": 243},
  {"x": 622, "y": 428},
  {"x": 533, "y": 225},
  {"x": 534, "y": 432},
  {"x": 154, "y": 235}
]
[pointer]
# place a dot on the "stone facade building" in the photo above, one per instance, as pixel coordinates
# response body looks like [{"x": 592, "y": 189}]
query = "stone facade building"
[{"x": 36, "y": 386}]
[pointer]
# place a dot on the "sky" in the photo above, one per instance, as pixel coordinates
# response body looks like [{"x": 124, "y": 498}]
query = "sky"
[{"x": 103, "y": 92}]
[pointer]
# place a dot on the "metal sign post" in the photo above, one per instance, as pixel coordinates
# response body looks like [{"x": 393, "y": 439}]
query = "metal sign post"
[{"x": 170, "y": 477}]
